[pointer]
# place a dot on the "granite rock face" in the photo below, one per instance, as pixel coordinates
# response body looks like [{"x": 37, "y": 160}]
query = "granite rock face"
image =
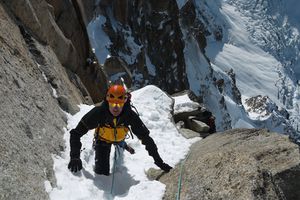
[
  {"x": 62, "y": 26},
  {"x": 35, "y": 88},
  {"x": 238, "y": 164}
]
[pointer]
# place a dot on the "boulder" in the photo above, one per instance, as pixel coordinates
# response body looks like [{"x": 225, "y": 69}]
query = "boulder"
[
  {"x": 187, "y": 133},
  {"x": 238, "y": 164},
  {"x": 187, "y": 109},
  {"x": 186, "y": 104},
  {"x": 183, "y": 116},
  {"x": 197, "y": 125}
]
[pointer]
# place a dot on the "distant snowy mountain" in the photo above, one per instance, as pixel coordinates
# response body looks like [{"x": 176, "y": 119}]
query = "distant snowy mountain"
[
  {"x": 266, "y": 37},
  {"x": 274, "y": 26}
]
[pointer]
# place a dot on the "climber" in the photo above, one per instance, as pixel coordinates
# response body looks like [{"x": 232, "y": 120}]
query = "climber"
[{"x": 111, "y": 120}]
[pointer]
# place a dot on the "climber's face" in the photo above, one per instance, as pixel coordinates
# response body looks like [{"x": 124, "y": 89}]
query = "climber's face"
[
  {"x": 116, "y": 98},
  {"x": 115, "y": 108}
]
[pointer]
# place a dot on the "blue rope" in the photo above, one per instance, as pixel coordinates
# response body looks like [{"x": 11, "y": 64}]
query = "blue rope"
[{"x": 180, "y": 178}]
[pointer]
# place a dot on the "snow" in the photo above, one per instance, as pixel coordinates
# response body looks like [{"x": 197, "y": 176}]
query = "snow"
[
  {"x": 150, "y": 66},
  {"x": 98, "y": 38},
  {"x": 197, "y": 65},
  {"x": 130, "y": 180},
  {"x": 132, "y": 46},
  {"x": 54, "y": 93},
  {"x": 292, "y": 12},
  {"x": 256, "y": 71},
  {"x": 184, "y": 104},
  {"x": 181, "y": 3},
  {"x": 243, "y": 124}
]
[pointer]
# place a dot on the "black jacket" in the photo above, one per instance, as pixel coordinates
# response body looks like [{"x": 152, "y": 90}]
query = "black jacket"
[{"x": 101, "y": 115}]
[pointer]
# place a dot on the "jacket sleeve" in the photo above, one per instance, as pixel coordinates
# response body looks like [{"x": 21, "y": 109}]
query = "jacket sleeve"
[
  {"x": 89, "y": 121},
  {"x": 142, "y": 132}
]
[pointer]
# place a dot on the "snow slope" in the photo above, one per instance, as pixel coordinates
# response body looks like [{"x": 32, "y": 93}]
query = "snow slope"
[{"x": 130, "y": 181}]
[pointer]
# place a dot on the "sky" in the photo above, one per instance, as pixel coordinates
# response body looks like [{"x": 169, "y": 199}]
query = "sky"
[{"x": 130, "y": 180}]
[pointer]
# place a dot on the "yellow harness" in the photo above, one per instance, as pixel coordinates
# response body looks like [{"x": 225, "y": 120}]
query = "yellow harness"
[{"x": 111, "y": 134}]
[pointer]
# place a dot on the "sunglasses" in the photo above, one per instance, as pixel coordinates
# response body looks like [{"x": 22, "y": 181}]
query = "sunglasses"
[{"x": 119, "y": 105}]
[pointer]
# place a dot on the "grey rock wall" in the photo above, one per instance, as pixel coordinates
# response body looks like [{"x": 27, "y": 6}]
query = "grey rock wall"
[
  {"x": 61, "y": 25},
  {"x": 34, "y": 90},
  {"x": 238, "y": 164}
]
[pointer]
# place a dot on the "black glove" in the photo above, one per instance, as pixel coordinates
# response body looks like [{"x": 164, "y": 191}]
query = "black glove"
[
  {"x": 75, "y": 165},
  {"x": 75, "y": 144},
  {"x": 164, "y": 166}
]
